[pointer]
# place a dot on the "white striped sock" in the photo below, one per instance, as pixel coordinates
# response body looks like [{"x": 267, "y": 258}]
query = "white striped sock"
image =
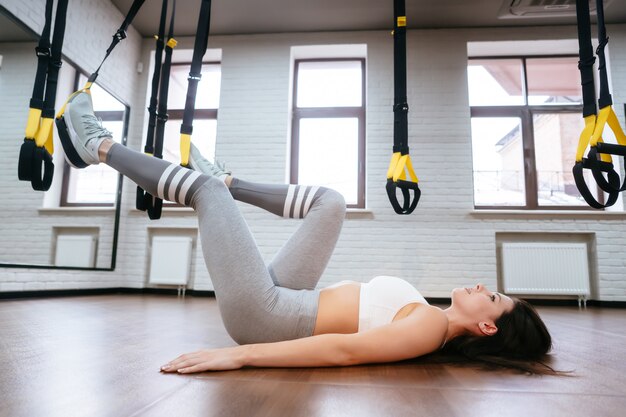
[
  {"x": 163, "y": 179},
  {"x": 289, "y": 200},
  {"x": 186, "y": 185},
  {"x": 171, "y": 190},
  {"x": 298, "y": 206},
  {"x": 309, "y": 200}
]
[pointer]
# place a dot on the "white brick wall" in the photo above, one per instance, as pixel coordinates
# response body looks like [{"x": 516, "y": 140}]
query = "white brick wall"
[{"x": 442, "y": 245}]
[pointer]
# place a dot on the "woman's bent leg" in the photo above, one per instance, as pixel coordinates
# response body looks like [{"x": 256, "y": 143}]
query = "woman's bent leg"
[
  {"x": 301, "y": 261},
  {"x": 253, "y": 308}
]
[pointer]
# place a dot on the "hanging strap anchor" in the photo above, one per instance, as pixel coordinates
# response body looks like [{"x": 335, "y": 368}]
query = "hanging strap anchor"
[{"x": 400, "y": 174}]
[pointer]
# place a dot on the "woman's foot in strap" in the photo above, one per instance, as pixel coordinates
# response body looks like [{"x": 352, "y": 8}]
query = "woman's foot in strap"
[
  {"x": 199, "y": 163},
  {"x": 85, "y": 132}
]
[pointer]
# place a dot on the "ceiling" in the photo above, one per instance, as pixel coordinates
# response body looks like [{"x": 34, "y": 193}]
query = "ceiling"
[{"x": 278, "y": 16}]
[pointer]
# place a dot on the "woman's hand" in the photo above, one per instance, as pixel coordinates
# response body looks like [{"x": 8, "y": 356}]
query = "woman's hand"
[{"x": 206, "y": 360}]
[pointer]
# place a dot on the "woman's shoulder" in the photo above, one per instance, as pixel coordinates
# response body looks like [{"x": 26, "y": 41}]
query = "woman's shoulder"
[{"x": 435, "y": 317}]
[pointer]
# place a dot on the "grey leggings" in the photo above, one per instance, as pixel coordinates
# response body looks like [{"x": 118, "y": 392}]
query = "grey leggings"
[{"x": 258, "y": 303}]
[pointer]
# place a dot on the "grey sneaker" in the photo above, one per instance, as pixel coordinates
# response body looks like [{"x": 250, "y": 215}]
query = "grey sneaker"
[
  {"x": 83, "y": 132},
  {"x": 201, "y": 164}
]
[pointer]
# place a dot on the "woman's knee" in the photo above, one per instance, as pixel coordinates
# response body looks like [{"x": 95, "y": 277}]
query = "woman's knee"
[
  {"x": 210, "y": 186},
  {"x": 333, "y": 203}
]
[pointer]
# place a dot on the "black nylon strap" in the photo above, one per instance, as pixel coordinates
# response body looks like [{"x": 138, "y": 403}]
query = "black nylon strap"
[
  {"x": 155, "y": 209},
  {"x": 54, "y": 63},
  {"x": 400, "y": 106},
  {"x": 43, "y": 56},
  {"x": 400, "y": 115},
  {"x": 585, "y": 51},
  {"x": 199, "y": 48},
  {"x": 164, "y": 91},
  {"x": 35, "y": 163},
  {"x": 158, "y": 58},
  {"x": 605, "y": 98},
  {"x": 145, "y": 201},
  {"x": 119, "y": 35}
]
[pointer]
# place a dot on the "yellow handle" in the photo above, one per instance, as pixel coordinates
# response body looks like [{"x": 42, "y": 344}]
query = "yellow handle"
[
  {"x": 32, "y": 125},
  {"x": 392, "y": 165},
  {"x": 400, "y": 167},
  {"x": 44, "y": 133},
  {"x": 185, "y": 147},
  {"x": 585, "y": 136}
]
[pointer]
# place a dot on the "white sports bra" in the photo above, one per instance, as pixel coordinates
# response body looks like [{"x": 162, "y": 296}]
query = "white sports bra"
[{"x": 382, "y": 298}]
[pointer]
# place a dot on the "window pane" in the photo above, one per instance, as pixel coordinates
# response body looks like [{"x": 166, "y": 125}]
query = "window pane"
[
  {"x": 498, "y": 161},
  {"x": 204, "y": 134},
  {"x": 208, "y": 95},
  {"x": 495, "y": 82},
  {"x": 553, "y": 81},
  {"x": 96, "y": 183},
  {"x": 556, "y": 140},
  {"x": 102, "y": 101},
  {"x": 329, "y": 155},
  {"x": 329, "y": 84}
]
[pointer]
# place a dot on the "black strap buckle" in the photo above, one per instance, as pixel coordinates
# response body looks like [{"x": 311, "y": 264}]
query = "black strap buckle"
[
  {"x": 401, "y": 107},
  {"x": 42, "y": 51},
  {"x": 120, "y": 35},
  {"x": 56, "y": 63},
  {"x": 194, "y": 77}
]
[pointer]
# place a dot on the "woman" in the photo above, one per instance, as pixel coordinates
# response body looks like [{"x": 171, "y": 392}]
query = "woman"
[{"x": 274, "y": 312}]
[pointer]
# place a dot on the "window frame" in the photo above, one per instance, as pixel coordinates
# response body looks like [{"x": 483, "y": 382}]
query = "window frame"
[
  {"x": 106, "y": 116},
  {"x": 525, "y": 113},
  {"x": 299, "y": 113},
  {"x": 199, "y": 114}
]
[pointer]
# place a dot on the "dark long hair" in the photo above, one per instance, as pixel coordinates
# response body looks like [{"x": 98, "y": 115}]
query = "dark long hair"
[{"x": 522, "y": 342}]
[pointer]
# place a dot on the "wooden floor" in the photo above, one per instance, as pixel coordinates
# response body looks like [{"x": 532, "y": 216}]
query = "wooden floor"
[{"x": 100, "y": 356}]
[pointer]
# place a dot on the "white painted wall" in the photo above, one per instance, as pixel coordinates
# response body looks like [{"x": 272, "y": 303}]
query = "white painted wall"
[{"x": 444, "y": 244}]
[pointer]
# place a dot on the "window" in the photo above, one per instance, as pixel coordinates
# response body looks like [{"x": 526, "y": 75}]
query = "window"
[
  {"x": 526, "y": 121},
  {"x": 328, "y": 133},
  {"x": 96, "y": 185},
  {"x": 205, "y": 115}
]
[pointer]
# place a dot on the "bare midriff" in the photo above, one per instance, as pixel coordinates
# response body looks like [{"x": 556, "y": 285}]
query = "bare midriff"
[{"x": 338, "y": 309}]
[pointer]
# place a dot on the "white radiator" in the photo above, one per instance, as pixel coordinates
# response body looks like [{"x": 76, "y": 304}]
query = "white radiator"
[
  {"x": 545, "y": 268},
  {"x": 76, "y": 250},
  {"x": 170, "y": 260}
]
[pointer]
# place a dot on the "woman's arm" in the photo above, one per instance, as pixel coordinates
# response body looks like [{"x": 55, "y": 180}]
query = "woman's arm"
[{"x": 420, "y": 333}]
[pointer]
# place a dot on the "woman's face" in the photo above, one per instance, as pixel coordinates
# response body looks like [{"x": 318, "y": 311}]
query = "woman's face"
[{"x": 481, "y": 306}]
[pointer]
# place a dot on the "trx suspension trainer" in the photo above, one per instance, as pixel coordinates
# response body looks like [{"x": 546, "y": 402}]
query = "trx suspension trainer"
[
  {"x": 158, "y": 107},
  {"x": 195, "y": 74},
  {"x": 64, "y": 135},
  {"x": 37, "y": 149},
  {"x": 599, "y": 158},
  {"x": 400, "y": 173},
  {"x": 144, "y": 200}
]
